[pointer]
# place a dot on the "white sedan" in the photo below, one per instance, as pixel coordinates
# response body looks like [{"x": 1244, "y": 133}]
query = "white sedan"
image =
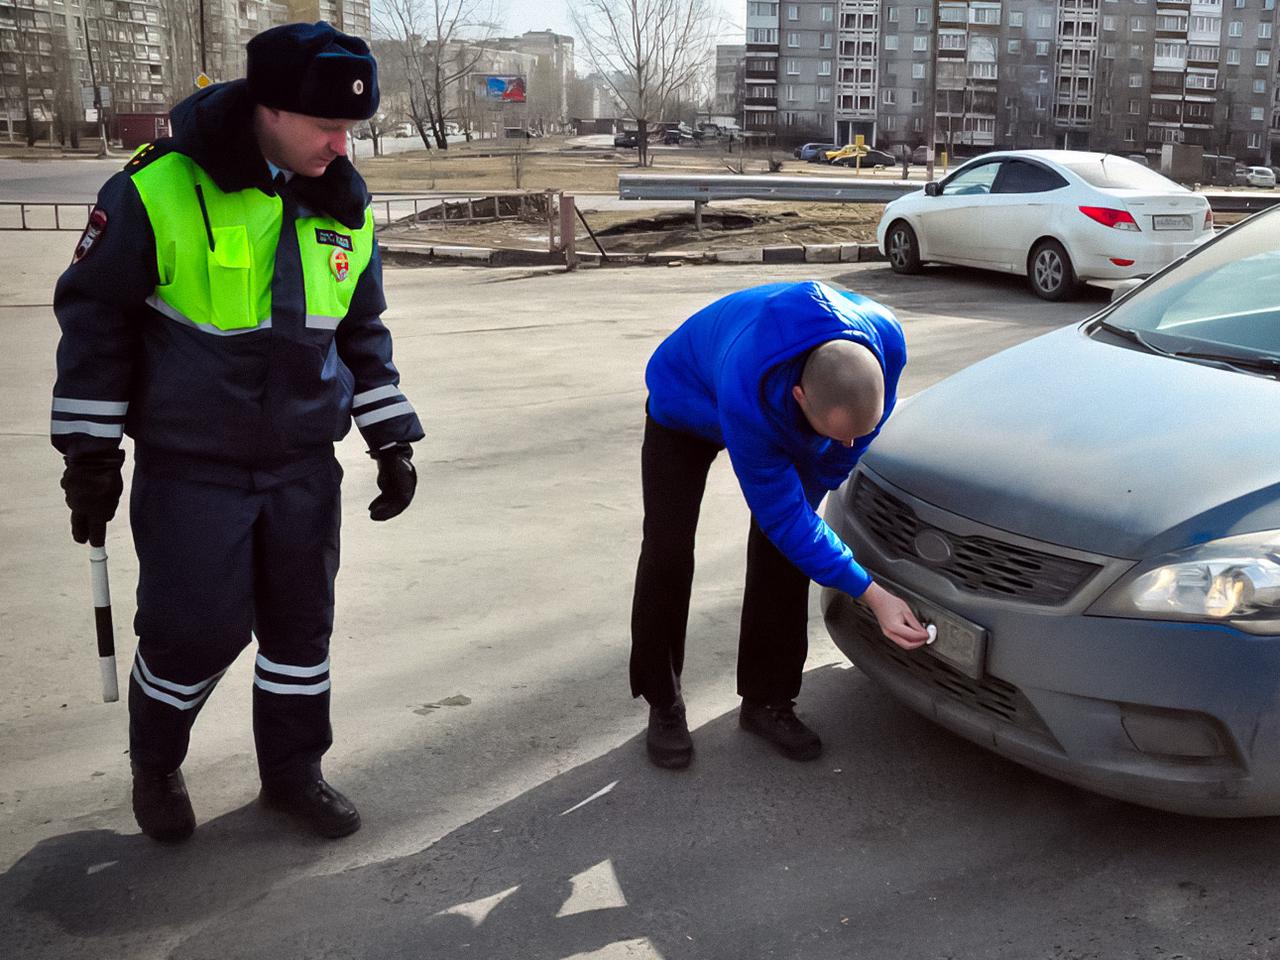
[{"x": 1058, "y": 217}]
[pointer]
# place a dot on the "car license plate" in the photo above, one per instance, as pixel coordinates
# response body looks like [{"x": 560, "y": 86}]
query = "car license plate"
[
  {"x": 1171, "y": 221},
  {"x": 961, "y": 643}
]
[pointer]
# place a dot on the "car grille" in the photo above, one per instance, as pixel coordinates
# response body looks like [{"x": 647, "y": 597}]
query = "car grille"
[
  {"x": 990, "y": 695},
  {"x": 981, "y": 565}
]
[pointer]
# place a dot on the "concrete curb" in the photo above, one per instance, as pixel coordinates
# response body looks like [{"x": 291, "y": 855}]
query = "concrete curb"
[{"x": 413, "y": 254}]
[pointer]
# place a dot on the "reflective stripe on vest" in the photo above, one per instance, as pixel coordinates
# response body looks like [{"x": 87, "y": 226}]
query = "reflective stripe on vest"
[{"x": 227, "y": 289}]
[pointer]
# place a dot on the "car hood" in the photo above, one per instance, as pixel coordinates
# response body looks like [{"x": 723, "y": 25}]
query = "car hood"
[{"x": 1092, "y": 445}]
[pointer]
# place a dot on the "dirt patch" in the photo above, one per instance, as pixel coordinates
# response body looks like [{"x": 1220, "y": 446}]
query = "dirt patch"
[{"x": 477, "y": 168}]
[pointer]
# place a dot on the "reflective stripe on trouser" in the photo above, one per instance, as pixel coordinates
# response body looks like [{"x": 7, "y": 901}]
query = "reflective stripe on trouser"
[{"x": 218, "y": 565}]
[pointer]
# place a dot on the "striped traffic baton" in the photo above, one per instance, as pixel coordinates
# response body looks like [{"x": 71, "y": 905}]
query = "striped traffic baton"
[{"x": 102, "y": 621}]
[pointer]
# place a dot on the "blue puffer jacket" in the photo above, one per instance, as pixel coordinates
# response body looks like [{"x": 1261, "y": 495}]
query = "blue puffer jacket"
[{"x": 726, "y": 375}]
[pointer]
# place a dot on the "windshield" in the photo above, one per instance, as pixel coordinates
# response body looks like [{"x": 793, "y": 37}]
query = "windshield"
[
  {"x": 1117, "y": 172},
  {"x": 1225, "y": 297}
]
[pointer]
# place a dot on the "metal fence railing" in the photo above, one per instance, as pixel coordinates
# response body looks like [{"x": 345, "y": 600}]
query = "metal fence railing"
[{"x": 24, "y": 215}]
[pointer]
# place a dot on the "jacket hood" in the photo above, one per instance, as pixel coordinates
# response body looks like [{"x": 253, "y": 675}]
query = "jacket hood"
[
  {"x": 214, "y": 127},
  {"x": 1092, "y": 445}
]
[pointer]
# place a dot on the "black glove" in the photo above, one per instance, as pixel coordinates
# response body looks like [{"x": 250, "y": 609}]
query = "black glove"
[
  {"x": 396, "y": 479},
  {"x": 93, "y": 485}
]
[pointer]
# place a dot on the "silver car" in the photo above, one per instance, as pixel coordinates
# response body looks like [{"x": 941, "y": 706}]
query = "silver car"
[{"x": 1091, "y": 520}]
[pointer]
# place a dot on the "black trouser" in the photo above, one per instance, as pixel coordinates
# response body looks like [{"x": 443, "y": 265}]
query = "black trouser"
[
  {"x": 219, "y": 565},
  {"x": 774, "y": 636}
]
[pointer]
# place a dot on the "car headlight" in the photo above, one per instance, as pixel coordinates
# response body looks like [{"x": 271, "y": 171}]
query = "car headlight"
[{"x": 1235, "y": 580}]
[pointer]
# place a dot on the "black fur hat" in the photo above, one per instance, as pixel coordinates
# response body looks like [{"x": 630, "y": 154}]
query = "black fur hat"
[{"x": 314, "y": 69}]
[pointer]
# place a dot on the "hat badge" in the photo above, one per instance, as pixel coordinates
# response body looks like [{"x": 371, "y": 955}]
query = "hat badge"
[{"x": 357, "y": 87}]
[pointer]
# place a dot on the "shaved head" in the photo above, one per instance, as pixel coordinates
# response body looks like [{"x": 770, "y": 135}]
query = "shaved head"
[{"x": 841, "y": 390}]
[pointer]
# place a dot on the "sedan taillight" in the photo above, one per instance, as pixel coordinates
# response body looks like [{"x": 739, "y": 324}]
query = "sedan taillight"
[
  {"x": 1208, "y": 218},
  {"x": 1110, "y": 217}
]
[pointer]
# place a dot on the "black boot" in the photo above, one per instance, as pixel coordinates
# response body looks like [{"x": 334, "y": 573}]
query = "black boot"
[
  {"x": 778, "y": 723},
  {"x": 667, "y": 738},
  {"x": 161, "y": 805},
  {"x": 316, "y": 805}
]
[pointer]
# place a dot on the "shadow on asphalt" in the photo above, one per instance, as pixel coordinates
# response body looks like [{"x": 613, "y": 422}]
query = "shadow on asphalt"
[{"x": 901, "y": 841}]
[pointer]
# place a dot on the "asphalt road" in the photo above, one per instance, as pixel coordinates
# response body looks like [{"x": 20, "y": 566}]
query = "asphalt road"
[{"x": 481, "y": 708}]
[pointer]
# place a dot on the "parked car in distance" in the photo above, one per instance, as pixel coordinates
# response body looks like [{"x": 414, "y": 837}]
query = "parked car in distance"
[
  {"x": 626, "y": 138},
  {"x": 812, "y": 152},
  {"x": 1058, "y": 217},
  {"x": 1091, "y": 520},
  {"x": 870, "y": 161},
  {"x": 1260, "y": 177}
]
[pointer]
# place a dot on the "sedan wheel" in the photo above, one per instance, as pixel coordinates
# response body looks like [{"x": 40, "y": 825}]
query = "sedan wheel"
[
  {"x": 1050, "y": 272},
  {"x": 902, "y": 248}
]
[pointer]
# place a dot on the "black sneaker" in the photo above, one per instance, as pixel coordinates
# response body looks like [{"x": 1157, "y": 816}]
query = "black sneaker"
[
  {"x": 315, "y": 805},
  {"x": 161, "y": 805},
  {"x": 778, "y": 723},
  {"x": 667, "y": 739}
]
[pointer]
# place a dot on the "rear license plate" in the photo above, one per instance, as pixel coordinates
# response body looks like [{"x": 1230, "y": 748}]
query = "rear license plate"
[{"x": 1171, "y": 221}]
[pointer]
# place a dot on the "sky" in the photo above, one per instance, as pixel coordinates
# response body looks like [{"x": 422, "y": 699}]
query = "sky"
[{"x": 522, "y": 15}]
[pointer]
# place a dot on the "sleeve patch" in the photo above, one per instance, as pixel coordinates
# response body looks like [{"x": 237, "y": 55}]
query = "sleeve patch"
[{"x": 94, "y": 231}]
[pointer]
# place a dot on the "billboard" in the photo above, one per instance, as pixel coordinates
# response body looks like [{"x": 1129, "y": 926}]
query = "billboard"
[{"x": 506, "y": 89}]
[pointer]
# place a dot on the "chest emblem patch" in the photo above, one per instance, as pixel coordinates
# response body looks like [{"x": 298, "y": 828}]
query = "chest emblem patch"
[{"x": 339, "y": 264}]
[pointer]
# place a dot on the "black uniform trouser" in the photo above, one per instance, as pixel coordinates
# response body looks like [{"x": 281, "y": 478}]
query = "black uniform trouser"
[
  {"x": 218, "y": 565},
  {"x": 773, "y": 639}
]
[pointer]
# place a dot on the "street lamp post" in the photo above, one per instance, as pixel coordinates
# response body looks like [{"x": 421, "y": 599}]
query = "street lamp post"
[
  {"x": 97, "y": 91},
  {"x": 930, "y": 120}
]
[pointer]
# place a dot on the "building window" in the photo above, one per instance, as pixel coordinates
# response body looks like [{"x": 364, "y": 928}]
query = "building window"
[
  {"x": 1264, "y": 31},
  {"x": 824, "y": 68},
  {"x": 888, "y": 95},
  {"x": 987, "y": 15},
  {"x": 1137, "y": 24},
  {"x": 824, "y": 42},
  {"x": 891, "y": 41},
  {"x": 1255, "y": 113},
  {"x": 793, "y": 11},
  {"x": 793, "y": 39},
  {"x": 1015, "y": 46},
  {"x": 1263, "y": 58},
  {"x": 1135, "y": 79},
  {"x": 1259, "y": 86},
  {"x": 890, "y": 122},
  {"x": 793, "y": 68},
  {"x": 952, "y": 41},
  {"x": 762, "y": 35},
  {"x": 1108, "y": 51},
  {"x": 1042, "y": 48},
  {"x": 922, "y": 14},
  {"x": 1233, "y": 57},
  {"x": 1044, "y": 20},
  {"x": 915, "y": 98},
  {"x": 824, "y": 94},
  {"x": 1235, "y": 29},
  {"x": 1255, "y": 141},
  {"x": 917, "y": 71},
  {"x": 1108, "y": 23},
  {"x": 920, "y": 42},
  {"x": 1044, "y": 76},
  {"x": 1015, "y": 18},
  {"x": 1130, "y": 134},
  {"x": 1137, "y": 51},
  {"x": 828, "y": 15},
  {"x": 1135, "y": 106}
]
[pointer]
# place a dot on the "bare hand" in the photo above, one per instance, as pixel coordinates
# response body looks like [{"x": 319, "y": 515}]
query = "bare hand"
[{"x": 896, "y": 620}]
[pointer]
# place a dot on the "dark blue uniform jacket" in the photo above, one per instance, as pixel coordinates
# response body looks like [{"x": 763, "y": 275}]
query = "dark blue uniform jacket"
[
  {"x": 236, "y": 409},
  {"x": 726, "y": 375}
]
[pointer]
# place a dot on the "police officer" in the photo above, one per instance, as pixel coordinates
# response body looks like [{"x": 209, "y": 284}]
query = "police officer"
[
  {"x": 795, "y": 380},
  {"x": 223, "y": 308}
]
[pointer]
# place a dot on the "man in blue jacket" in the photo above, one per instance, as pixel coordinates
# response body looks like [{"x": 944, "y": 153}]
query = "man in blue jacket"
[
  {"x": 223, "y": 309},
  {"x": 795, "y": 380}
]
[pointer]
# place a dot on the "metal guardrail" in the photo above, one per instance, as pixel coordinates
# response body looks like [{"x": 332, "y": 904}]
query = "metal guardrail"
[
  {"x": 837, "y": 190},
  {"x": 729, "y": 187}
]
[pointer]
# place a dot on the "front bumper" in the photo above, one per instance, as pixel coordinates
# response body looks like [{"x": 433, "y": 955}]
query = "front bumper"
[{"x": 1177, "y": 716}]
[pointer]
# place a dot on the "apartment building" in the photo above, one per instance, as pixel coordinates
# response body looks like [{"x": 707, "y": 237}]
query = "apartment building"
[
  {"x": 1120, "y": 75},
  {"x": 143, "y": 54},
  {"x": 760, "y": 71}
]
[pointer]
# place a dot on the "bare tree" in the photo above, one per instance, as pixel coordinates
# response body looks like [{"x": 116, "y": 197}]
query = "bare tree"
[
  {"x": 647, "y": 51},
  {"x": 439, "y": 45}
]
